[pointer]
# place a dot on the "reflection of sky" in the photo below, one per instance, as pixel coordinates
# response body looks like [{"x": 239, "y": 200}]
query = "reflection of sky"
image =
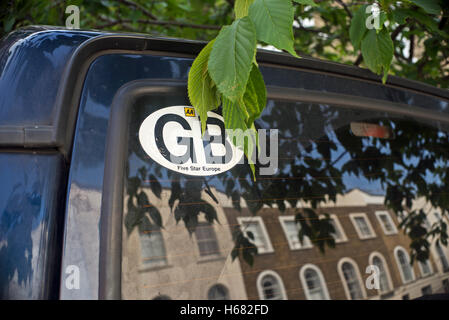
[
  {"x": 350, "y": 180},
  {"x": 21, "y": 179},
  {"x": 373, "y": 187}
]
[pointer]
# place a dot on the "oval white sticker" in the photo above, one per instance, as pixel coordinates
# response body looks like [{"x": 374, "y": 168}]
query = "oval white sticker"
[{"x": 171, "y": 136}]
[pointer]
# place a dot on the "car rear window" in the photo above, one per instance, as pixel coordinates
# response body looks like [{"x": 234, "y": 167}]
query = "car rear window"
[{"x": 314, "y": 228}]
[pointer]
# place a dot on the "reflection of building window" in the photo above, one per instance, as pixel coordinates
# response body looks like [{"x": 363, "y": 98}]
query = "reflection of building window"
[
  {"x": 291, "y": 230},
  {"x": 218, "y": 292},
  {"x": 386, "y": 222},
  {"x": 442, "y": 257},
  {"x": 427, "y": 290},
  {"x": 384, "y": 282},
  {"x": 153, "y": 248},
  {"x": 271, "y": 289},
  {"x": 362, "y": 225},
  {"x": 352, "y": 280},
  {"x": 206, "y": 239},
  {"x": 270, "y": 286},
  {"x": 425, "y": 268},
  {"x": 256, "y": 227},
  {"x": 339, "y": 234},
  {"x": 446, "y": 285},
  {"x": 313, "y": 283},
  {"x": 403, "y": 261}
]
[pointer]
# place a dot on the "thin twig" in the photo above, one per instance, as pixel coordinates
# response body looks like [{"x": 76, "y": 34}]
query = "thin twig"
[
  {"x": 160, "y": 23},
  {"x": 358, "y": 60},
  {"x": 140, "y": 7},
  {"x": 345, "y": 7}
]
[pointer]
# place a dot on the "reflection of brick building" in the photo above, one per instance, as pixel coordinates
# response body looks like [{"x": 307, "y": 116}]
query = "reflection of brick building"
[
  {"x": 367, "y": 234},
  {"x": 172, "y": 264},
  {"x": 168, "y": 263}
]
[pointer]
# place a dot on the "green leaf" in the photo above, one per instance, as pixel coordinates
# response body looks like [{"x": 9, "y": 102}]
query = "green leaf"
[
  {"x": 377, "y": 51},
  {"x": 274, "y": 23},
  {"x": 241, "y": 136},
  {"x": 383, "y": 17},
  {"x": 306, "y": 2},
  {"x": 231, "y": 58},
  {"x": 429, "y": 6},
  {"x": 233, "y": 116},
  {"x": 253, "y": 128},
  {"x": 358, "y": 28},
  {"x": 8, "y": 24},
  {"x": 424, "y": 19},
  {"x": 400, "y": 15},
  {"x": 241, "y": 8},
  {"x": 201, "y": 89},
  {"x": 255, "y": 96}
]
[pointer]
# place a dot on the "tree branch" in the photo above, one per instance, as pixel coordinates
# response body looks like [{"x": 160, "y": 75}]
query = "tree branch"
[
  {"x": 411, "y": 50},
  {"x": 345, "y": 7},
  {"x": 231, "y": 3},
  {"x": 301, "y": 27},
  {"x": 421, "y": 65},
  {"x": 111, "y": 23},
  {"x": 442, "y": 23},
  {"x": 400, "y": 58},
  {"x": 398, "y": 30},
  {"x": 140, "y": 7},
  {"x": 339, "y": 158},
  {"x": 358, "y": 60}
]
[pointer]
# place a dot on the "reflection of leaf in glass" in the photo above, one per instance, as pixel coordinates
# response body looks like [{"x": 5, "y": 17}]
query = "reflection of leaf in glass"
[
  {"x": 155, "y": 186},
  {"x": 155, "y": 216},
  {"x": 209, "y": 192},
  {"x": 319, "y": 231},
  {"x": 235, "y": 196},
  {"x": 133, "y": 185},
  {"x": 142, "y": 200},
  {"x": 145, "y": 226},
  {"x": 175, "y": 193},
  {"x": 317, "y": 154},
  {"x": 243, "y": 246},
  {"x": 133, "y": 218},
  {"x": 143, "y": 173}
]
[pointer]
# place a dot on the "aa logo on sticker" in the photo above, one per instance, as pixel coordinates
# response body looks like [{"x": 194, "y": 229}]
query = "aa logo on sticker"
[
  {"x": 171, "y": 136},
  {"x": 189, "y": 112}
]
